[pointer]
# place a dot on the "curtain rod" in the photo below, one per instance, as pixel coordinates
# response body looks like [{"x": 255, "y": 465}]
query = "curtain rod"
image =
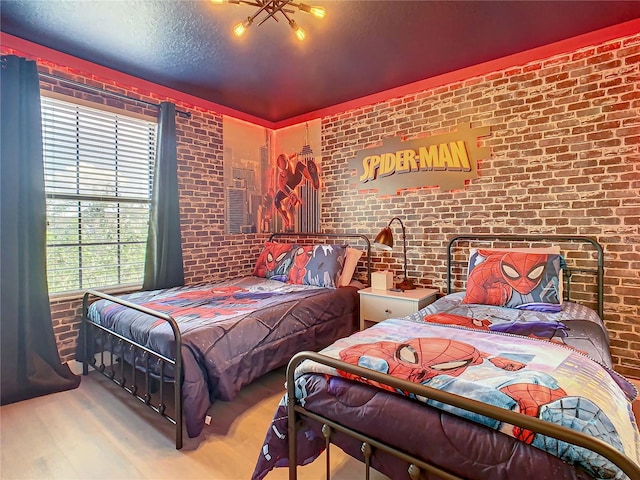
[{"x": 107, "y": 92}]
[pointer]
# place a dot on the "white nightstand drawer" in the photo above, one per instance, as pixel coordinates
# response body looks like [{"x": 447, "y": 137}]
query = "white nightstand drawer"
[
  {"x": 376, "y": 309},
  {"x": 378, "y": 305}
]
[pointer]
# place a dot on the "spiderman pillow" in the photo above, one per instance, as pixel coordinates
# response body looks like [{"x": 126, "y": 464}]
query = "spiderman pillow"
[
  {"x": 320, "y": 265},
  {"x": 275, "y": 261},
  {"x": 515, "y": 279}
]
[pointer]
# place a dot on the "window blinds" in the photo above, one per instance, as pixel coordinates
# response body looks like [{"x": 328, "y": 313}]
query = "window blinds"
[{"x": 98, "y": 168}]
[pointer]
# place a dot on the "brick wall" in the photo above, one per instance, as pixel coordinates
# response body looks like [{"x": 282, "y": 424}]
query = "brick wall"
[
  {"x": 565, "y": 159},
  {"x": 565, "y": 136}
]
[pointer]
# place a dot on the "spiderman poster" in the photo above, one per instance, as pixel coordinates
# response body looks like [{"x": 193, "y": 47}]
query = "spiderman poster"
[{"x": 272, "y": 178}]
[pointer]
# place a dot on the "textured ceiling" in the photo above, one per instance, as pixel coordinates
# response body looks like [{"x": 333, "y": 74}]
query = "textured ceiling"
[{"x": 362, "y": 47}]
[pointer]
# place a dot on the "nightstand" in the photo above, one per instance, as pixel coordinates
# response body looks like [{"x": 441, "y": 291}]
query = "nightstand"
[{"x": 378, "y": 305}]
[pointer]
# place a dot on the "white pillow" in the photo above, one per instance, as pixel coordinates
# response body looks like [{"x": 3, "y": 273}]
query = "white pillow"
[{"x": 350, "y": 261}]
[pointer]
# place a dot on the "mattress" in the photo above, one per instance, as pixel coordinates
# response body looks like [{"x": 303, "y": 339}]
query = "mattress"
[
  {"x": 232, "y": 332},
  {"x": 575, "y": 325},
  {"x": 563, "y": 376}
]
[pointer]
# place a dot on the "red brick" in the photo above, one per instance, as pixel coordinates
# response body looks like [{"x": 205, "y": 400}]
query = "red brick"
[{"x": 632, "y": 60}]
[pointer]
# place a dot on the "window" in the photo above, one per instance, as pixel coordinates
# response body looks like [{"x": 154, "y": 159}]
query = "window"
[{"x": 98, "y": 168}]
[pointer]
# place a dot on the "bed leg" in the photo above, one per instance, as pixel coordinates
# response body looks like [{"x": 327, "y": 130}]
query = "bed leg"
[
  {"x": 85, "y": 350},
  {"x": 84, "y": 329},
  {"x": 292, "y": 431},
  {"x": 367, "y": 451},
  {"x": 326, "y": 432}
]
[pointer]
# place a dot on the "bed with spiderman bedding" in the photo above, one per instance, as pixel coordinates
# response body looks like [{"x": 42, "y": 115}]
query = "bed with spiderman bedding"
[
  {"x": 508, "y": 378},
  {"x": 222, "y": 336}
]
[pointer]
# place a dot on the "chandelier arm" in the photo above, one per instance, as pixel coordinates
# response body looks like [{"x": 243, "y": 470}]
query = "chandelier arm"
[
  {"x": 286, "y": 16},
  {"x": 281, "y": 4},
  {"x": 264, "y": 4},
  {"x": 267, "y": 18},
  {"x": 259, "y": 11},
  {"x": 274, "y": 6}
]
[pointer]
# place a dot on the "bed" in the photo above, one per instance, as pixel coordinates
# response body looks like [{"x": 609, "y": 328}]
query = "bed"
[
  {"x": 178, "y": 350},
  {"x": 464, "y": 389}
]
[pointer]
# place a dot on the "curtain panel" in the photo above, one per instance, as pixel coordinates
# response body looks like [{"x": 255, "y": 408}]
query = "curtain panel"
[
  {"x": 163, "y": 262},
  {"x": 30, "y": 364}
]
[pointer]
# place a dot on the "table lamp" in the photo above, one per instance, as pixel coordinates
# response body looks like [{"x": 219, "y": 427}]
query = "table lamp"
[{"x": 384, "y": 241}]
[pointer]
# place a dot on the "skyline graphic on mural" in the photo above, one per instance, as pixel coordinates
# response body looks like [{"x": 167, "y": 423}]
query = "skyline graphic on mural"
[{"x": 272, "y": 179}]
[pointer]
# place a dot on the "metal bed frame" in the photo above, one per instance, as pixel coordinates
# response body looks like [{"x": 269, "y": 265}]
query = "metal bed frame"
[
  {"x": 117, "y": 342},
  {"x": 417, "y": 465},
  {"x": 153, "y": 367}
]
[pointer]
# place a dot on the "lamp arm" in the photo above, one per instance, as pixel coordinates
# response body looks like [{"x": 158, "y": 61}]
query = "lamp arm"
[
  {"x": 404, "y": 242},
  {"x": 271, "y": 7}
]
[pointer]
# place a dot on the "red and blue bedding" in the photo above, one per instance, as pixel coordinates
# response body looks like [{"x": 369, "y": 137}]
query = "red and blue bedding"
[
  {"x": 552, "y": 380},
  {"x": 574, "y": 325},
  {"x": 232, "y": 332}
]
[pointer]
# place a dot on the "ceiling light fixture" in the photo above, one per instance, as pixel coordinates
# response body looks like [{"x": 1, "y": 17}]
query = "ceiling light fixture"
[{"x": 270, "y": 8}]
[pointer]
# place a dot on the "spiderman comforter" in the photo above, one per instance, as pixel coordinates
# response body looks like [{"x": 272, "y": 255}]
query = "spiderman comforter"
[
  {"x": 575, "y": 325},
  {"x": 543, "y": 379},
  {"x": 232, "y": 332}
]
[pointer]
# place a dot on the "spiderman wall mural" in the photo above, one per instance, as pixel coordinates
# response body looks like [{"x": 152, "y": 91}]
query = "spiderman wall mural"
[{"x": 272, "y": 178}]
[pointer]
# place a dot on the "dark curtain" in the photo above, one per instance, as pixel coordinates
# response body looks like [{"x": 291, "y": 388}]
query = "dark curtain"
[
  {"x": 30, "y": 363},
  {"x": 163, "y": 263}
]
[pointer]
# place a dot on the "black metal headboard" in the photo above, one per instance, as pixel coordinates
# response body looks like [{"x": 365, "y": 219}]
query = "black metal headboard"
[
  {"x": 506, "y": 241},
  {"x": 361, "y": 239}
]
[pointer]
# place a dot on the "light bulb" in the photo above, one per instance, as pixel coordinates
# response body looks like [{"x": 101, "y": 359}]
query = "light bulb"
[
  {"x": 318, "y": 12},
  {"x": 240, "y": 29},
  {"x": 300, "y": 33}
]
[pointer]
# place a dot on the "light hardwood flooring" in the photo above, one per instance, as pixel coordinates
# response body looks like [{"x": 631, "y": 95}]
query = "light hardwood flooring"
[{"x": 99, "y": 432}]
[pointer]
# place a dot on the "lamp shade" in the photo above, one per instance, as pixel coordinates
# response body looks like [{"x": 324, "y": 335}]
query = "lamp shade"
[{"x": 384, "y": 240}]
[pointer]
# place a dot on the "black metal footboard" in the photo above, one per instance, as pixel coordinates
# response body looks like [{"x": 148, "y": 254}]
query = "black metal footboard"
[
  {"x": 416, "y": 464},
  {"x": 151, "y": 373}
]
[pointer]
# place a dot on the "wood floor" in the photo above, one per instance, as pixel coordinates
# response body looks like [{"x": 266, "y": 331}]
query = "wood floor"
[{"x": 100, "y": 432}]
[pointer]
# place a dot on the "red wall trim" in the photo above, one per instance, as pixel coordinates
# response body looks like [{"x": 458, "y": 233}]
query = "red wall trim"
[
  {"x": 54, "y": 56},
  {"x": 563, "y": 46},
  {"x": 570, "y": 44}
]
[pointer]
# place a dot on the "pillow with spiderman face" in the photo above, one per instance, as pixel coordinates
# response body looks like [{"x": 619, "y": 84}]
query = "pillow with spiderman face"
[
  {"x": 275, "y": 261},
  {"x": 515, "y": 279}
]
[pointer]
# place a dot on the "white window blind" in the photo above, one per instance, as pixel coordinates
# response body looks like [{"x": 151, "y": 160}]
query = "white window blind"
[{"x": 98, "y": 168}]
